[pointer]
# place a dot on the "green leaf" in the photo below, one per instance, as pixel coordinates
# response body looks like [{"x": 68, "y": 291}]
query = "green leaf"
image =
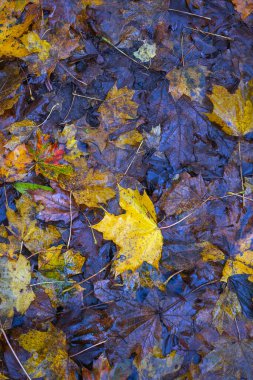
[{"x": 23, "y": 187}]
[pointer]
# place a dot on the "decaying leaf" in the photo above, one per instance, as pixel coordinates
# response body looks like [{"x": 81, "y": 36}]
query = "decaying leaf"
[
  {"x": 15, "y": 164},
  {"x": 56, "y": 205},
  {"x": 23, "y": 225},
  {"x": 15, "y": 293},
  {"x": 136, "y": 232},
  {"x": 233, "y": 112},
  {"x": 129, "y": 138},
  {"x": 57, "y": 264},
  {"x": 88, "y": 186},
  {"x": 230, "y": 359},
  {"x": 190, "y": 81},
  {"x": 146, "y": 52},
  {"x": 245, "y": 7},
  {"x": 226, "y": 309},
  {"x": 10, "y": 80},
  {"x": 241, "y": 263},
  {"x": 49, "y": 354}
]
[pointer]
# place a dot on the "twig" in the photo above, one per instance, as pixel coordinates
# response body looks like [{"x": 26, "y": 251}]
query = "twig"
[
  {"x": 70, "y": 108},
  {"x": 210, "y": 34},
  {"x": 86, "y": 279},
  {"x": 185, "y": 217},
  {"x": 237, "y": 328},
  {"x": 94, "y": 237},
  {"x": 171, "y": 276},
  {"x": 71, "y": 219},
  {"x": 122, "y": 52},
  {"x": 129, "y": 166},
  {"x": 78, "y": 80},
  {"x": 88, "y": 348},
  {"x": 241, "y": 174},
  {"x": 47, "y": 282},
  {"x": 87, "y": 97},
  {"x": 189, "y": 14},
  {"x": 14, "y": 353},
  {"x": 182, "y": 48},
  {"x": 48, "y": 116}
]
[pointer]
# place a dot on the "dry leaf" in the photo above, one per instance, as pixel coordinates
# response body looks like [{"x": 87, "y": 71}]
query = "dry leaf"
[
  {"x": 136, "y": 232},
  {"x": 233, "y": 112}
]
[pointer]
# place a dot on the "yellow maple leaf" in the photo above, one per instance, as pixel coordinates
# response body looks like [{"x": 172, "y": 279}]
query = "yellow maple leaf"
[
  {"x": 15, "y": 277},
  {"x": 242, "y": 263},
  {"x": 136, "y": 232},
  {"x": 49, "y": 358},
  {"x": 233, "y": 112}
]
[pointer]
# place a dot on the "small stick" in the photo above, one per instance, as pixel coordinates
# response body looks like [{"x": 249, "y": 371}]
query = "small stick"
[
  {"x": 122, "y": 52},
  {"x": 94, "y": 237},
  {"x": 241, "y": 174},
  {"x": 71, "y": 219},
  {"x": 87, "y": 97},
  {"x": 70, "y": 108},
  {"x": 86, "y": 279},
  {"x": 88, "y": 348},
  {"x": 182, "y": 48},
  {"x": 185, "y": 217},
  {"x": 170, "y": 277},
  {"x": 78, "y": 80},
  {"x": 189, "y": 14},
  {"x": 14, "y": 353},
  {"x": 48, "y": 116},
  {"x": 129, "y": 166},
  {"x": 210, "y": 34}
]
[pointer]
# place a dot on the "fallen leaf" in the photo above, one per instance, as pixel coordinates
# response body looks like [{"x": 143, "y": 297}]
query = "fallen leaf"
[
  {"x": 49, "y": 354},
  {"x": 34, "y": 44},
  {"x": 23, "y": 225},
  {"x": 118, "y": 108},
  {"x": 56, "y": 206},
  {"x": 146, "y": 52},
  {"x": 241, "y": 263},
  {"x": 23, "y": 187},
  {"x": 226, "y": 309},
  {"x": 129, "y": 138},
  {"x": 233, "y": 112},
  {"x": 245, "y": 7},
  {"x": 230, "y": 359},
  {"x": 136, "y": 232},
  {"x": 15, "y": 277},
  {"x": 88, "y": 186},
  {"x": 15, "y": 164},
  {"x": 190, "y": 81},
  {"x": 10, "y": 81},
  {"x": 56, "y": 264},
  {"x": 48, "y": 157}
]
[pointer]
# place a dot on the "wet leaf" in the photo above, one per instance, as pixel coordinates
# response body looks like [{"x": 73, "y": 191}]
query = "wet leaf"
[
  {"x": 49, "y": 353},
  {"x": 233, "y": 112},
  {"x": 136, "y": 232},
  {"x": 15, "y": 293}
]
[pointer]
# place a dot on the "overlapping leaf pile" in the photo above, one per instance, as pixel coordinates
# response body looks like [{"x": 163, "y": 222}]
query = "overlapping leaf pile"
[{"x": 126, "y": 205}]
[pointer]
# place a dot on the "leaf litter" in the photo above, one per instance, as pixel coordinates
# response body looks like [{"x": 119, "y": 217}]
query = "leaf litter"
[{"x": 126, "y": 189}]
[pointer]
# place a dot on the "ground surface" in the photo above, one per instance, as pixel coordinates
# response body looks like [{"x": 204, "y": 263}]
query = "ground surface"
[{"x": 101, "y": 101}]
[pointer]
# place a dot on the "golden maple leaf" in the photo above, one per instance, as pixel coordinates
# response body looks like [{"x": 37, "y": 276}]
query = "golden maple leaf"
[
  {"x": 136, "y": 232},
  {"x": 233, "y": 112}
]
